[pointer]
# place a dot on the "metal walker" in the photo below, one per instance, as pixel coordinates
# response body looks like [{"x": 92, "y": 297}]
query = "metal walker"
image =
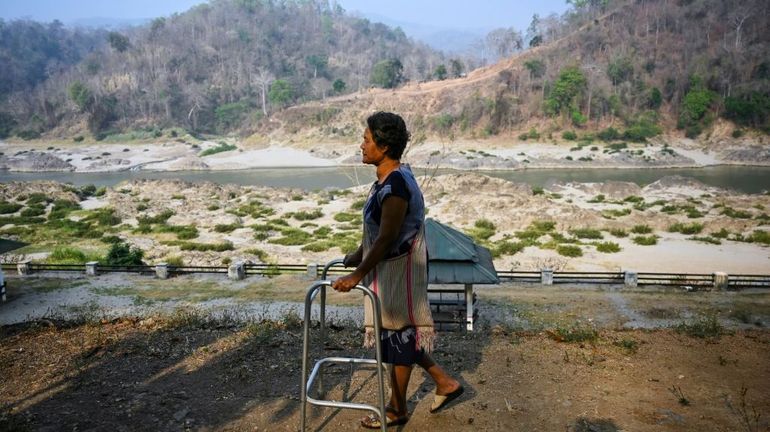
[{"x": 307, "y": 383}]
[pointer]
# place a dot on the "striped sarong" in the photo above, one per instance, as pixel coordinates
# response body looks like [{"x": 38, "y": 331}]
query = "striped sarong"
[{"x": 401, "y": 284}]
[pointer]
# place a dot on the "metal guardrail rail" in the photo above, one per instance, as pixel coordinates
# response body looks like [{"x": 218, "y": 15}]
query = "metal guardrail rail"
[{"x": 735, "y": 281}]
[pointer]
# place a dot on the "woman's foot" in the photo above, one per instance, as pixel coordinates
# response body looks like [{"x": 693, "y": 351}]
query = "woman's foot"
[
  {"x": 372, "y": 421},
  {"x": 445, "y": 395}
]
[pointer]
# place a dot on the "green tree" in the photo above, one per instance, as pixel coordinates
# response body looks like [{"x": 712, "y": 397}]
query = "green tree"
[
  {"x": 568, "y": 86},
  {"x": 752, "y": 110},
  {"x": 457, "y": 67},
  {"x": 281, "y": 93},
  {"x": 620, "y": 70},
  {"x": 7, "y": 123},
  {"x": 387, "y": 73},
  {"x": 695, "y": 104},
  {"x": 536, "y": 68},
  {"x": 318, "y": 62},
  {"x": 656, "y": 98},
  {"x": 339, "y": 86},
  {"x": 81, "y": 95},
  {"x": 117, "y": 41},
  {"x": 230, "y": 115},
  {"x": 440, "y": 72}
]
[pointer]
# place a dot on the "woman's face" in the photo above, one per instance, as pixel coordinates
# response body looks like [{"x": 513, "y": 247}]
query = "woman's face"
[{"x": 370, "y": 152}]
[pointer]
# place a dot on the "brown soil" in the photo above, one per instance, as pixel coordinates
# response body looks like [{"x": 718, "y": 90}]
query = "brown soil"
[{"x": 186, "y": 373}]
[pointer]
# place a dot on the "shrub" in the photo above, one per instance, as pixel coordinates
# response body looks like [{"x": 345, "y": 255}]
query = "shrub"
[
  {"x": 760, "y": 236},
  {"x": 121, "y": 254},
  {"x": 574, "y": 333},
  {"x": 61, "y": 208},
  {"x": 569, "y": 135},
  {"x": 38, "y": 198},
  {"x": 104, "y": 217},
  {"x": 721, "y": 234},
  {"x": 609, "y": 134},
  {"x": 707, "y": 239},
  {"x": 67, "y": 255},
  {"x": 318, "y": 246},
  {"x": 345, "y": 217},
  {"x": 222, "y": 147},
  {"x": 482, "y": 230},
  {"x": 703, "y": 327},
  {"x": 737, "y": 214},
  {"x": 618, "y": 232},
  {"x": 174, "y": 261},
  {"x": 227, "y": 228},
  {"x": 569, "y": 250},
  {"x": 160, "y": 218},
  {"x": 616, "y": 147},
  {"x": 608, "y": 247},
  {"x": 693, "y": 228},
  {"x": 259, "y": 253},
  {"x": 613, "y": 213},
  {"x": 203, "y": 247},
  {"x": 597, "y": 199},
  {"x": 641, "y": 229},
  {"x": 6, "y": 207},
  {"x": 32, "y": 211},
  {"x": 183, "y": 232},
  {"x": 303, "y": 215},
  {"x": 507, "y": 248},
  {"x": 358, "y": 205},
  {"x": 292, "y": 237},
  {"x": 543, "y": 226},
  {"x": 645, "y": 240},
  {"x": 586, "y": 233}
]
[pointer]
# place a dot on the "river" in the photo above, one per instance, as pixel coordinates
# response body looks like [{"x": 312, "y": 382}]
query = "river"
[{"x": 740, "y": 178}]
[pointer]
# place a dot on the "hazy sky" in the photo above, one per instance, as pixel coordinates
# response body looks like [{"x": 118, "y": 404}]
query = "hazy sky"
[{"x": 456, "y": 14}]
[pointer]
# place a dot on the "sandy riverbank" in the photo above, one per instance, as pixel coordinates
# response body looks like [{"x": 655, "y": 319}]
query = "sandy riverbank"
[
  {"x": 463, "y": 154},
  {"x": 723, "y": 231}
]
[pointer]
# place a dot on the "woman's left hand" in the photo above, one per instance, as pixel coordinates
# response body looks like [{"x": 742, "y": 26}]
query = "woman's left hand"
[{"x": 346, "y": 283}]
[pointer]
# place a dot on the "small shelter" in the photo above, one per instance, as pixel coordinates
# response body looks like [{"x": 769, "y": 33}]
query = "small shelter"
[{"x": 454, "y": 258}]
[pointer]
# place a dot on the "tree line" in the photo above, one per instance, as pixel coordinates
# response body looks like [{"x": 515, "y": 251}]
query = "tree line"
[{"x": 221, "y": 66}]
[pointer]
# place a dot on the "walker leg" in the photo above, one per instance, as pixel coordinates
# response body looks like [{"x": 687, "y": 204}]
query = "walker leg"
[{"x": 469, "y": 307}]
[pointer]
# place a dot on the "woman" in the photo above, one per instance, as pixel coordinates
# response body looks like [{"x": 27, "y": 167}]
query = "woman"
[{"x": 392, "y": 261}]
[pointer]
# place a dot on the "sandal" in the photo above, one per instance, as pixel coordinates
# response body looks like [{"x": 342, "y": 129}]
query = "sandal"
[
  {"x": 442, "y": 401},
  {"x": 372, "y": 421}
]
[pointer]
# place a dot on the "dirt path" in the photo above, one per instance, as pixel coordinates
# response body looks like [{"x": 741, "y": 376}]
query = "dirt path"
[{"x": 540, "y": 359}]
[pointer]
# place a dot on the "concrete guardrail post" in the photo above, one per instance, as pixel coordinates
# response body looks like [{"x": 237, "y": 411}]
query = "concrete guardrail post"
[
  {"x": 720, "y": 281},
  {"x": 92, "y": 268},
  {"x": 546, "y": 276},
  {"x": 161, "y": 270},
  {"x": 312, "y": 271},
  {"x": 236, "y": 271},
  {"x": 23, "y": 268},
  {"x": 630, "y": 279}
]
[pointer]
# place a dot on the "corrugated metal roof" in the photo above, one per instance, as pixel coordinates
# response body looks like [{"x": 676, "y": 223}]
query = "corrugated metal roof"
[{"x": 453, "y": 257}]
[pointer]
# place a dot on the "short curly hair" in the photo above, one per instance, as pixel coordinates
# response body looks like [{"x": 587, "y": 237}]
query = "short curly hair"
[{"x": 389, "y": 130}]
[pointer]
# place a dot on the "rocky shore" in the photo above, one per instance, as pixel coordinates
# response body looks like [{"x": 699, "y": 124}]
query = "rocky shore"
[
  {"x": 490, "y": 154},
  {"x": 673, "y": 225}
]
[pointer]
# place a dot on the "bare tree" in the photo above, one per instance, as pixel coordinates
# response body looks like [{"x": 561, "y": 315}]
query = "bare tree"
[
  {"x": 740, "y": 13},
  {"x": 262, "y": 79}
]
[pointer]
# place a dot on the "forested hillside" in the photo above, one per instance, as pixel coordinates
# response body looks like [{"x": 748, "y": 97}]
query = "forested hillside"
[
  {"x": 616, "y": 69},
  {"x": 612, "y": 69},
  {"x": 211, "y": 69}
]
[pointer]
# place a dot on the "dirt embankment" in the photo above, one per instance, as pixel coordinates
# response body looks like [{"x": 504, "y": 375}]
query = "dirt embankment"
[{"x": 182, "y": 374}]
